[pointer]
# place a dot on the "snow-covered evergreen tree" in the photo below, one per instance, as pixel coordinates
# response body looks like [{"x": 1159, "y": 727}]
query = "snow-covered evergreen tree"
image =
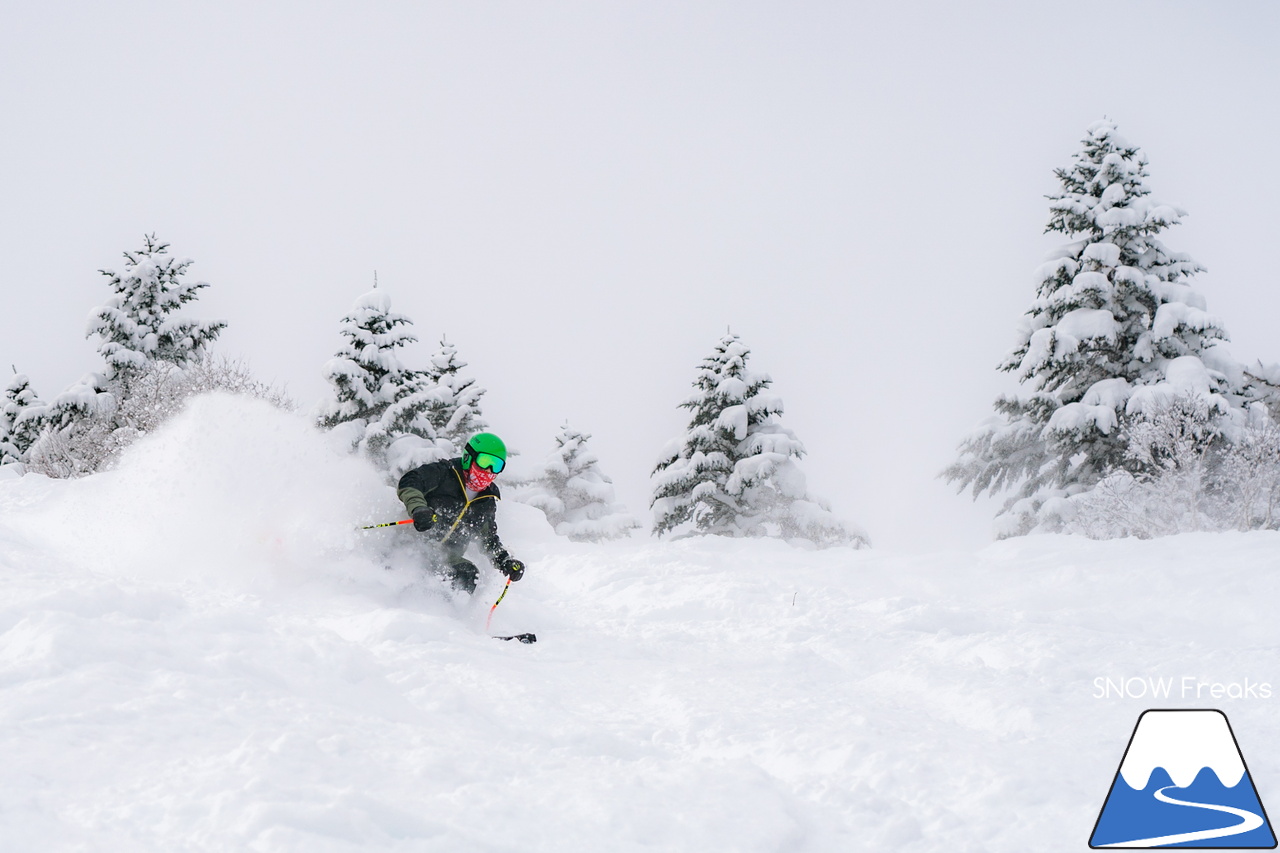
[
  {"x": 734, "y": 472},
  {"x": 366, "y": 372},
  {"x": 577, "y": 498},
  {"x": 17, "y": 433},
  {"x": 1114, "y": 315},
  {"x": 379, "y": 406},
  {"x": 1263, "y": 380},
  {"x": 138, "y": 327},
  {"x": 454, "y": 410},
  {"x": 404, "y": 435},
  {"x": 74, "y": 430}
]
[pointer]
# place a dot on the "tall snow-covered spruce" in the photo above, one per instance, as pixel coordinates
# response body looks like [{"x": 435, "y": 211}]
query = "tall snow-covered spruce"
[
  {"x": 1115, "y": 329},
  {"x": 138, "y": 328},
  {"x": 380, "y": 407},
  {"x": 575, "y": 495},
  {"x": 734, "y": 471}
]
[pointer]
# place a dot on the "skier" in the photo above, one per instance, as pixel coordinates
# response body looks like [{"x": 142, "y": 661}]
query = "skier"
[{"x": 455, "y": 500}]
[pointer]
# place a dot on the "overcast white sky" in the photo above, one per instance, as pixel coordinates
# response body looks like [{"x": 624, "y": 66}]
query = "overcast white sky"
[{"x": 583, "y": 196}]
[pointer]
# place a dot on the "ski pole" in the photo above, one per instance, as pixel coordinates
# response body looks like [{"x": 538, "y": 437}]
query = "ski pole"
[
  {"x": 495, "y": 605},
  {"x": 388, "y": 524},
  {"x": 524, "y": 638}
]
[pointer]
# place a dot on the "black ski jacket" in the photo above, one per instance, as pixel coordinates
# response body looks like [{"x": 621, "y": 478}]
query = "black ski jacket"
[{"x": 438, "y": 487}]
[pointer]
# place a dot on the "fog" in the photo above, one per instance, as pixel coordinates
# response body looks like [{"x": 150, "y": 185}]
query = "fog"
[{"x": 585, "y": 196}]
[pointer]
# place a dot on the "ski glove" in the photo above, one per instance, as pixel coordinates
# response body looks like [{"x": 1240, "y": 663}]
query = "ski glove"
[
  {"x": 423, "y": 519},
  {"x": 513, "y": 569}
]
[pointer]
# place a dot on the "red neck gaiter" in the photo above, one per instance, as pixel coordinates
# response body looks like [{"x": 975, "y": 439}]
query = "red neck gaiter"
[{"x": 478, "y": 479}]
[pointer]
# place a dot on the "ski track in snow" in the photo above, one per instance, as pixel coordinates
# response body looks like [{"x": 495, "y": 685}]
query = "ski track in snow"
[
  {"x": 198, "y": 654},
  {"x": 1248, "y": 822}
]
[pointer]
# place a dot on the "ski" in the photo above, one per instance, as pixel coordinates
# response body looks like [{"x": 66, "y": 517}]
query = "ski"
[{"x": 524, "y": 638}]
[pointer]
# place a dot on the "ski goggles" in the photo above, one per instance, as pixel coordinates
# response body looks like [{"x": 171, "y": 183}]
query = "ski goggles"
[{"x": 487, "y": 461}]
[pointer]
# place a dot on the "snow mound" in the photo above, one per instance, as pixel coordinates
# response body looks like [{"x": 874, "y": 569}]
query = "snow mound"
[{"x": 231, "y": 490}]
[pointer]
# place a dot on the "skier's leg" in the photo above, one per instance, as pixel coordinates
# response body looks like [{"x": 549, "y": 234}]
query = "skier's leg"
[
  {"x": 464, "y": 574},
  {"x": 435, "y": 560}
]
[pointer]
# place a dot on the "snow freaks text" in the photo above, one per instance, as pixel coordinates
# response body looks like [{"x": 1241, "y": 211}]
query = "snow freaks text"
[{"x": 1186, "y": 687}]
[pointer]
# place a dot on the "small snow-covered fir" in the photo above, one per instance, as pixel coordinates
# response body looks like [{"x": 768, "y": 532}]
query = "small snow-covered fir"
[
  {"x": 453, "y": 407},
  {"x": 140, "y": 324},
  {"x": 380, "y": 407},
  {"x": 734, "y": 471},
  {"x": 1115, "y": 321},
  {"x": 16, "y": 432},
  {"x": 366, "y": 373},
  {"x": 575, "y": 495}
]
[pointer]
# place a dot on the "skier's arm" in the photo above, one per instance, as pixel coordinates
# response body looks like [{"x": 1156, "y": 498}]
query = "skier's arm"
[
  {"x": 413, "y": 488},
  {"x": 491, "y": 543},
  {"x": 502, "y": 561}
]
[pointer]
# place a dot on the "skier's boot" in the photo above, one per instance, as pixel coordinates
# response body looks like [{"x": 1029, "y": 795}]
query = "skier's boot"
[{"x": 463, "y": 574}]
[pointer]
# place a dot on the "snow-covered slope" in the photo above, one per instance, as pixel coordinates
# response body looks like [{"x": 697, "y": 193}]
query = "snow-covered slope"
[{"x": 199, "y": 652}]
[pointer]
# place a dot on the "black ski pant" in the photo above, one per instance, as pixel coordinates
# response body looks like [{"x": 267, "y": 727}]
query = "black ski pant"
[
  {"x": 452, "y": 567},
  {"x": 462, "y": 573}
]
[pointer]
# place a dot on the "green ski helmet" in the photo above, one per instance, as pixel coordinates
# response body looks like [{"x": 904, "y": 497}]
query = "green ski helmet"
[{"x": 487, "y": 451}]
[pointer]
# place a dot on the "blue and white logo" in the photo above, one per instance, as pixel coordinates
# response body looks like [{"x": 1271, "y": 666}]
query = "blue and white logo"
[{"x": 1183, "y": 783}]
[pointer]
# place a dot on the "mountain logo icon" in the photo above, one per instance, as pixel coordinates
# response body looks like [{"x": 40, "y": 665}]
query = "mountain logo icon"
[{"x": 1183, "y": 783}]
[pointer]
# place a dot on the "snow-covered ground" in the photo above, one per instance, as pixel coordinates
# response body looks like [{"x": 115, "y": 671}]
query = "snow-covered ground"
[{"x": 199, "y": 652}]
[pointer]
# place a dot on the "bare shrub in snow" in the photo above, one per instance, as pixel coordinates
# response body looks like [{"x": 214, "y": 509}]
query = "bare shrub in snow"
[
  {"x": 80, "y": 448},
  {"x": 164, "y": 389},
  {"x": 157, "y": 392},
  {"x": 1187, "y": 474},
  {"x": 1169, "y": 485},
  {"x": 1248, "y": 479}
]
